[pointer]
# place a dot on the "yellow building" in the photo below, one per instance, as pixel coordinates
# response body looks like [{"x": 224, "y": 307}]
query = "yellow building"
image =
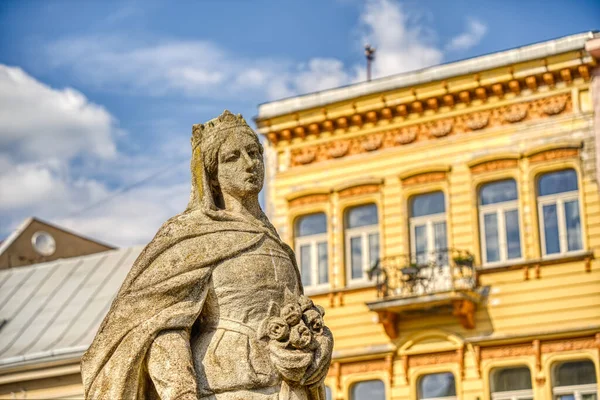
[{"x": 449, "y": 220}]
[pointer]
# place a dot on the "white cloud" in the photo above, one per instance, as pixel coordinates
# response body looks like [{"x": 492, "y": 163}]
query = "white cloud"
[
  {"x": 41, "y": 131},
  {"x": 38, "y": 122},
  {"x": 475, "y": 31},
  {"x": 402, "y": 44}
]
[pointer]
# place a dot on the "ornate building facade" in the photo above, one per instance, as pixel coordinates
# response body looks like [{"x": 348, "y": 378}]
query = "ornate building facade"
[{"x": 449, "y": 220}]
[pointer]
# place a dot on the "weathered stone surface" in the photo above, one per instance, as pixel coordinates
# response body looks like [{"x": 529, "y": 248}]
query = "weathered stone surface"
[{"x": 213, "y": 307}]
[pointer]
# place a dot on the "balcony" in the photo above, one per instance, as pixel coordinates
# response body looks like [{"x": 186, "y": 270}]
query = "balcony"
[{"x": 437, "y": 282}]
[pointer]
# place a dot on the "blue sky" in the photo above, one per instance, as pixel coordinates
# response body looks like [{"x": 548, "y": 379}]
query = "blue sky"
[{"x": 96, "y": 96}]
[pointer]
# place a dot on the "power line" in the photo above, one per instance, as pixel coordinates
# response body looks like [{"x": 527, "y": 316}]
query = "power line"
[{"x": 124, "y": 189}]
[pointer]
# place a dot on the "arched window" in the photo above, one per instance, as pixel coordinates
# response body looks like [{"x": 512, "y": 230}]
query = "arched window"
[
  {"x": 499, "y": 221},
  {"x": 368, "y": 390},
  {"x": 311, "y": 249},
  {"x": 437, "y": 386},
  {"x": 574, "y": 380},
  {"x": 361, "y": 230},
  {"x": 513, "y": 383},
  {"x": 427, "y": 226},
  {"x": 559, "y": 214}
]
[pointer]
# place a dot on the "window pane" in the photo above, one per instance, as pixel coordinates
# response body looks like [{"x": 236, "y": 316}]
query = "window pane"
[
  {"x": 557, "y": 182},
  {"x": 591, "y": 396},
  {"x": 511, "y": 379},
  {"x": 311, "y": 224},
  {"x": 551, "y": 229},
  {"x": 361, "y": 216},
  {"x": 328, "y": 393},
  {"x": 565, "y": 397},
  {"x": 439, "y": 242},
  {"x": 322, "y": 257},
  {"x": 498, "y": 192},
  {"x": 513, "y": 237},
  {"x": 356, "y": 257},
  {"x": 427, "y": 204},
  {"x": 368, "y": 390},
  {"x": 492, "y": 245},
  {"x": 305, "y": 271},
  {"x": 575, "y": 373},
  {"x": 421, "y": 244},
  {"x": 573, "y": 225},
  {"x": 373, "y": 249},
  {"x": 437, "y": 385}
]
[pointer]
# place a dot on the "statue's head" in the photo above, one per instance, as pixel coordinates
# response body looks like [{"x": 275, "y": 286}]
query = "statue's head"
[{"x": 227, "y": 158}]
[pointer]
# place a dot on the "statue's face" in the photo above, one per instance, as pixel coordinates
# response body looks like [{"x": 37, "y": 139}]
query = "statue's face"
[{"x": 241, "y": 170}]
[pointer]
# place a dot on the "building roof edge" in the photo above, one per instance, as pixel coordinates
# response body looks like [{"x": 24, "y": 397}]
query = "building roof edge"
[{"x": 429, "y": 74}]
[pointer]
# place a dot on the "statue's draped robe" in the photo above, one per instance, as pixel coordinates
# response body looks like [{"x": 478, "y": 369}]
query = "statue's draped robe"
[{"x": 164, "y": 291}]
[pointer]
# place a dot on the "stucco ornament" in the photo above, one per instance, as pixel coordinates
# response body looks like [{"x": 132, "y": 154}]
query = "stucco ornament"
[{"x": 213, "y": 308}]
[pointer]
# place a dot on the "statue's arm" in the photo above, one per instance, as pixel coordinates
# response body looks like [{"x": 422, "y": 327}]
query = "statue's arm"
[{"x": 170, "y": 366}]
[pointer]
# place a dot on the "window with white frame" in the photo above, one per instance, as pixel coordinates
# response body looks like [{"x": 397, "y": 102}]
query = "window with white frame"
[
  {"x": 440, "y": 386},
  {"x": 499, "y": 221},
  {"x": 559, "y": 212},
  {"x": 361, "y": 231},
  {"x": 368, "y": 390},
  {"x": 574, "y": 380},
  {"x": 428, "y": 226},
  {"x": 513, "y": 383},
  {"x": 311, "y": 249}
]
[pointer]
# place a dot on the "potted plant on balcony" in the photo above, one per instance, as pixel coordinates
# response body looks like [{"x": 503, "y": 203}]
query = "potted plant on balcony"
[{"x": 464, "y": 260}]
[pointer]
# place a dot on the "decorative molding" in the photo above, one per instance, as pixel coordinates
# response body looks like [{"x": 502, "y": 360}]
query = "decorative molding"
[
  {"x": 514, "y": 113},
  {"x": 465, "y": 311},
  {"x": 423, "y": 178},
  {"x": 556, "y": 346},
  {"x": 513, "y": 350},
  {"x": 389, "y": 360},
  {"x": 309, "y": 199},
  {"x": 477, "y": 355},
  {"x": 389, "y": 320},
  {"x": 372, "y": 143},
  {"x": 338, "y": 149},
  {"x": 494, "y": 165},
  {"x": 477, "y": 120},
  {"x": 447, "y": 357},
  {"x": 358, "y": 190},
  {"x": 440, "y": 128},
  {"x": 554, "y": 154},
  {"x": 555, "y": 105},
  {"x": 379, "y": 365},
  {"x": 460, "y": 124}
]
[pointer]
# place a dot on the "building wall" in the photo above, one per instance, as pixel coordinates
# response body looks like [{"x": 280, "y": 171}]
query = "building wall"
[
  {"x": 21, "y": 252},
  {"x": 534, "y": 312}
]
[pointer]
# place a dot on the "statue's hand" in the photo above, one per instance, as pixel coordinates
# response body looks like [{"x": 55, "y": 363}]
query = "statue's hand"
[
  {"x": 291, "y": 363},
  {"x": 317, "y": 371}
]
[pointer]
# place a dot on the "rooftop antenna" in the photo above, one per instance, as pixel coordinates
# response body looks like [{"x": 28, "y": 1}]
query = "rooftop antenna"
[{"x": 370, "y": 54}]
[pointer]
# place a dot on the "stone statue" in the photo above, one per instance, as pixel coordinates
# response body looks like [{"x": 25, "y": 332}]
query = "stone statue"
[{"x": 213, "y": 308}]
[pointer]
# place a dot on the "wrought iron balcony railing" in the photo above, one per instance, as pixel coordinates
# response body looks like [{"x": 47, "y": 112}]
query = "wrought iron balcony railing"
[{"x": 424, "y": 273}]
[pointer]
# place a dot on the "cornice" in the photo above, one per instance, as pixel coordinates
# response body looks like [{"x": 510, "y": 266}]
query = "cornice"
[
  {"x": 438, "y": 98},
  {"x": 358, "y": 182},
  {"x": 307, "y": 192},
  {"x": 522, "y": 61},
  {"x": 567, "y": 144},
  {"x": 493, "y": 157},
  {"x": 501, "y": 114}
]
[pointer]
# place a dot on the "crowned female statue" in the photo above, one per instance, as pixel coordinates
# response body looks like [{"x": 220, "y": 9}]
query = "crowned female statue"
[{"x": 213, "y": 308}]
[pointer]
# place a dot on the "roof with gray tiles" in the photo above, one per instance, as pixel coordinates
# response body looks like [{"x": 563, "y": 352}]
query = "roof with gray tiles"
[{"x": 52, "y": 310}]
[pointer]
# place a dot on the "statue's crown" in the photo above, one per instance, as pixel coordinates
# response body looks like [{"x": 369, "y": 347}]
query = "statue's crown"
[{"x": 225, "y": 121}]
